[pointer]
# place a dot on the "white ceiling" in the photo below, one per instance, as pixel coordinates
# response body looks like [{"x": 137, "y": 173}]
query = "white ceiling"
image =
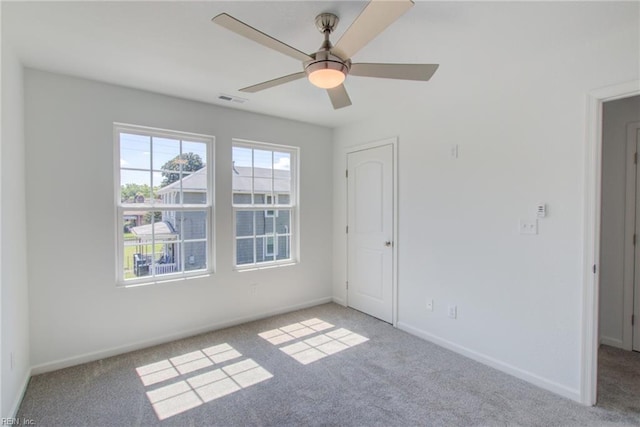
[{"x": 174, "y": 49}]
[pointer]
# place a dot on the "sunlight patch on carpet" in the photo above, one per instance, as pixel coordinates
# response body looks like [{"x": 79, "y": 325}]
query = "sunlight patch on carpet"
[
  {"x": 214, "y": 380},
  {"x": 315, "y": 347}
]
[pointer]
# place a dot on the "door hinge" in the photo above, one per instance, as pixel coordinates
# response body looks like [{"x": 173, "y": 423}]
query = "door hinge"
[
  {"x": 633, "y": 319},
  {"x": 347, "y": 229},
  {"x": 634, "y": 239},
  {"x": 594, "y": 269},
  {"x": 347, "y": 285},
  {"x": 635, "y": 158},
  {"x": 346, "y": 173}
]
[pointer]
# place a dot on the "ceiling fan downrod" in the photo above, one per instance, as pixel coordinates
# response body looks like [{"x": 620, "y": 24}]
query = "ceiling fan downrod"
[{"x": 323, "y": 60}]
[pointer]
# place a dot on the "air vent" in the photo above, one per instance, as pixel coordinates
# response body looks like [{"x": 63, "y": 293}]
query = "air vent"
[{"x": 229, "y": 98}]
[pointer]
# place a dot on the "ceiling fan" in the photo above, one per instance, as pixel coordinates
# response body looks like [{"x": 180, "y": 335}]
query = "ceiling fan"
[{"x": 328, "y": 67}]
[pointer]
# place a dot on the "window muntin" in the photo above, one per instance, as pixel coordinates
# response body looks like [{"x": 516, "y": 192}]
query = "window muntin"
[
  {"x": 164, "y": 204},
  {"x": 264, "y": 203}
]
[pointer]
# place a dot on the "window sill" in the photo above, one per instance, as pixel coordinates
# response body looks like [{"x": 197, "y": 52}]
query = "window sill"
[
  {"x": 168, "y": 279},
  {"x": 253, "y": 267}
]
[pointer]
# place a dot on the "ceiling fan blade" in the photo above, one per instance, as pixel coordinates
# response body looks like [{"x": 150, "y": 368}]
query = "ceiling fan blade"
[
  {"x": 275, "y": 82},
  {"x": 375, "y": 17},
  {"x": 339, "y": 97},
  {"x": 395, "y": 71},
  {"x": 240, "y": 28}
]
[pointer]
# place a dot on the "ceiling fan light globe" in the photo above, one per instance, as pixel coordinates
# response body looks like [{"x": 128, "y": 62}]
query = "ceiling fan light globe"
[{"x": 326, "y": 78}]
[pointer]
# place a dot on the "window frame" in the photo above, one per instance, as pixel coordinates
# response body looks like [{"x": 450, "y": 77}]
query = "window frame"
[
  {"x": 208, "y": 207},
  {"x": 293, "y": 206}
]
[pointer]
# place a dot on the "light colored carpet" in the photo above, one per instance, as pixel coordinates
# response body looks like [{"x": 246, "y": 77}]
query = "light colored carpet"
[
  {"x": 619, "y": 380},
  {"x": 326, "y": 365}
]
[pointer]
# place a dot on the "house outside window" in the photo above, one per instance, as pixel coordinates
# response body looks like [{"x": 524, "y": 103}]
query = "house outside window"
[
  {"x": 164, "y": 204},
  {"x": 264, "y": 204}
]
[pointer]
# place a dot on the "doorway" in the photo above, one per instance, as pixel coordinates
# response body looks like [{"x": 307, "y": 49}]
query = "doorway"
[
  {"x": 371, "y": 229},
  {"x": 619, "y": 270},
  {"x": 592, "y": 241},
  {"x": 631, "y": 285}
]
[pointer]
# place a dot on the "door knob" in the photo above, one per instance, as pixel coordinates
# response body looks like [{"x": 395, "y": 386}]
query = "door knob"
[{"x": 387, "y": 243}]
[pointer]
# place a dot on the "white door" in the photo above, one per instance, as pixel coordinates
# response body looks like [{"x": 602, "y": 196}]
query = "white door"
[
  {"x": 370, "y": 237},
  {"x": 636, "y": 282}
]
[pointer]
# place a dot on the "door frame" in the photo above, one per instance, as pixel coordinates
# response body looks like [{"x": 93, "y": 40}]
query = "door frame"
[
  {"x": 592, "y": 191},
  {"x": 393, "y": 141},
  {"x": 630, "y": 258}
]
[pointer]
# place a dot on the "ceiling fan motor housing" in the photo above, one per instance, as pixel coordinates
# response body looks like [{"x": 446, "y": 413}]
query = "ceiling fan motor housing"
[{"x": 325, "y": 60}]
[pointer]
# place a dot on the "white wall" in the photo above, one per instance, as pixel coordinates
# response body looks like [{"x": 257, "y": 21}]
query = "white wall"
[
  {"x": 616, "y": 115},
  {"x": 13, "y": 248},
  {"x": 514, "y": 103},
  {"x": 77, "y": 312}
]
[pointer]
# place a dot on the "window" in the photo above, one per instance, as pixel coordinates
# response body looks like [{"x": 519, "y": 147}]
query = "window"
[
  {"x": 164, "y": 204},
  {"x": 264, "y": 203}
]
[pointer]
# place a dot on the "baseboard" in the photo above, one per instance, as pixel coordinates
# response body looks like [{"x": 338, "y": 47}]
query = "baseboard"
[
  {"x": 613, "y": 342},
  {"x": 496, "y": 364},
  {"x": 16, "y": 404},
  {"x": 101, "y": 354},
  {"x": 339, "y": 301}
]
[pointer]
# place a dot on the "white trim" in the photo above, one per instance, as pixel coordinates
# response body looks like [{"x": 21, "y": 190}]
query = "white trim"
[
  {"x": 120, "y": 208},
  {"x": 530, "y": 377},
  {"x": 339, "y": 301},
  {"x": 613, "y": 342},
  {"x": 293, "y": 207},
  {"x": 114, "y": 351},
  {"x": 162, "y": 133},
  {"x": 629, "y": 257},
  {"x": 593, "y": 180},
  {"x": 393, "y": 141},
  {"x": 22, "y": 390}
]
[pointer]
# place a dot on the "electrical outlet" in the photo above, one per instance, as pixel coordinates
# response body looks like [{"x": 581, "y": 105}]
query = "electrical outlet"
[
  {"x": 528, "y": 226},
  {"x": 253, "y": 289},
  {"x": 453, "y": 311},
  {"x": 429, "y": 305}
]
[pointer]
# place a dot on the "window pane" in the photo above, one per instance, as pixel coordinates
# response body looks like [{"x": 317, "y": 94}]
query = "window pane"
[
  {"x": 282, "y": 183},
  {"x": 194, "y": 187},
  {"x": 165, "y": 153},
  {"x": 167, "y": 241},
  {"x": 137, "y": 260},
  {"x": 263, "y": 159},
  {"x": 197, "y": 148},
  {"x": 191, "y": 189},
  {"x": 193, "y": 225},
  {"x": 284, "y": 199},
  {"x": 283, "y": 221},
  {"x": 242, "y": 199},
  {"x": 263, "y": 223},
  {"x": 284, "y": 246},
  {"x": 244, "y": 251},
  {"x": 165, "y": 257},
  {"x": 195, "y": 256},
  {"x": 138, "y": 251},
  {"x": 130, "y": 219},
  {"x": 135, "y": 186},
  {"x": 263, "y": 171},
  {"x": 281, "y": 161},
  {"x": 242, "y": 158},
  {"x": 135, "y": 151},
  {"x": 244, "y": 223},
  {"x": 261, "y": 250},
  {"x": 269, "y": 221}
]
